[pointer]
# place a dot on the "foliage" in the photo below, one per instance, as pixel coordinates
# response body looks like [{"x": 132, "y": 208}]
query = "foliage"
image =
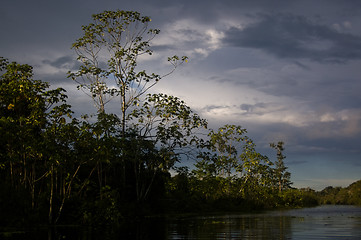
[
  {"x": 231, "y": 156},
  {"x": 167, "y": 121},
  {"x": 281, "y": 174},
  {"x": 109, "y": 50},
  {"x": 298, "y": 198},
  {"x": 350, "y": 195},
  {"x": 27, "y": 110}
]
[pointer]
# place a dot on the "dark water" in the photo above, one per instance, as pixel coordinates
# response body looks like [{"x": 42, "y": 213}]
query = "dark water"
[{"x": 324, "y": 222}]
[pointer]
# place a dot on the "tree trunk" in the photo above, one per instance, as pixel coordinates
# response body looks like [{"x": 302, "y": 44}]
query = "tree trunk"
[{"x": 51, "y": 195}]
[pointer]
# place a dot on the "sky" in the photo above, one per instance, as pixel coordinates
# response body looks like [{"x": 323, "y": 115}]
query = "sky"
[{"x": 284, "y": 70}]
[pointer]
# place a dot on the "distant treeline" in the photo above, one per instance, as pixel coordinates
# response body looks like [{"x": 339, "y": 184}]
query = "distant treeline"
[{"x": 350, "y": 195}]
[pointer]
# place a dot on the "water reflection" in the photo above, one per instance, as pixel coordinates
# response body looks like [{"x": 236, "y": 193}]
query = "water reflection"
[
  {"x": 232, "y": 227},
  {"x": 325, "y": 222}
]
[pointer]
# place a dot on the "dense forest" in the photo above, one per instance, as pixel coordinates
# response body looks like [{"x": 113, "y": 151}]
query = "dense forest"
[
  {"x": 105, "y": 167},
  {"x": 350, "y": 195}
]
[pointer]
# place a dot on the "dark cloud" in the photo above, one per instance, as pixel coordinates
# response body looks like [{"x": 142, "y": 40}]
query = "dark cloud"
[
  {"x": 163, "y": 47},
  {"x": 301, "y": 65},
  {"x": 257, "y": 108},
  {"x": 296, "y": 37},
  {"x": 61, "y": 62},
  {"x": 209, "y": 108}
]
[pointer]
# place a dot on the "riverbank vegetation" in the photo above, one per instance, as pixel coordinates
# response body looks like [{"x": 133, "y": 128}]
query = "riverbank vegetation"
[
  {"x": 350, "y": 195},
  {"x": 106, "y": 167}
]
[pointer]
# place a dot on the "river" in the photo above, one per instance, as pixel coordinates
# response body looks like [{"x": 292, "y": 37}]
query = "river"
[{"x": 322, "y": 222}]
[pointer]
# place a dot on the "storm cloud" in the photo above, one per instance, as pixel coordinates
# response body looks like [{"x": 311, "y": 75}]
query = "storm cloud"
[{"x": 296, "y": 37}]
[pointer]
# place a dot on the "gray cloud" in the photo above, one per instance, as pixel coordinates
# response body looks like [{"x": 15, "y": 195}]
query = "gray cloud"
[
  {"x": 61, "y": 62},
  {"x": 260, "y": 108},
  {"x": 296, "y": 37}
]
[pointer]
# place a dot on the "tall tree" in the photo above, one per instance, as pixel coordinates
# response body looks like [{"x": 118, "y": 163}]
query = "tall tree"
[
  {"x": 281, "y": 174},
  {"x": 109, "y": 52},
  {"x": 256, "y": 173}
]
